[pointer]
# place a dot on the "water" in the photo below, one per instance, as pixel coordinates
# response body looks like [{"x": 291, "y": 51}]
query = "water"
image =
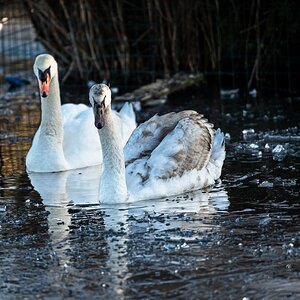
[{"x": 238, "y": 240}]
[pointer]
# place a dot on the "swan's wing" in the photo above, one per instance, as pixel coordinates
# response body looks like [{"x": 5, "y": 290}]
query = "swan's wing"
[
  {"x": 126, "y": 121},
  {"x": 81, "y": 140},
  {"x": 147, "y": 136},
  {"x": 188, "y": 146},
  {"x": 71, "y": 111},
  {"x": 127, "y": 113}
]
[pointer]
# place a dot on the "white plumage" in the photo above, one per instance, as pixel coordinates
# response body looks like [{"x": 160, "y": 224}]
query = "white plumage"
[
  {"x": 167, "y": 155},
  {"x": 67, "y": 138}
]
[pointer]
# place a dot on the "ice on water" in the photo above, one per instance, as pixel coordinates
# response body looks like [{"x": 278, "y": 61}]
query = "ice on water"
[
  {"x": 248, "y": 131},
  {"x": 279, "y": 153},
  {"x": 277, "y": 143},
  {"x": 266, "y": 184}
]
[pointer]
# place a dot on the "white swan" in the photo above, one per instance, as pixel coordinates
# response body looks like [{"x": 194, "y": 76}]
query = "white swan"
[
  {"x": 167, "y": 155},
  {"x": 61, "y": 140}
]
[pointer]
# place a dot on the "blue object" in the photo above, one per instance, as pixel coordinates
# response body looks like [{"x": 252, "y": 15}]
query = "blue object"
[{"x": 15, "y": 81}]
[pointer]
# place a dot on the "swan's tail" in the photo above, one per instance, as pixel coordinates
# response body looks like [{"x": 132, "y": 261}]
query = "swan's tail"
[
  {"x": 127, "y": 110},
  {"x": 127, "y": 115},
  {"x": 218, "y": 149},
  {"x": 218, "y": 154}
]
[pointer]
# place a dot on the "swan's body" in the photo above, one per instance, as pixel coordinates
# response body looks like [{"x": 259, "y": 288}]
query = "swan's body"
[
  {"x": 61, "y": 140},
  {"x": 167, "y": 155}
]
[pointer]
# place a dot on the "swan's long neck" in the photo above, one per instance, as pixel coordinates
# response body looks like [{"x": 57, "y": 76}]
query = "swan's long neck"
[
  {"x": 51, "y": 119},
  {"x": 113, "y": 187}
]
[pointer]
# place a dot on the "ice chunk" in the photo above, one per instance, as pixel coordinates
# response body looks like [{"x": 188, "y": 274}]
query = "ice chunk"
[
  {"x": 253, "y": 146},
  {"x": 248, "y": 149},
  {"x": 169, "y": 247},
  {"x": 279, "y": 153},
  {"x": 227, "y": 136},
  {"x": 285, "y": 182},
  {"x": 254, "y": 150},
  {"x": 266, "y": 184},
  {"x": 231, "y": 93},
  {"x": 253, "y": 93},
  {"x": 265, "y": 118},
  {"x": 265, "y": 221},
  {"x": 248, "y": 133}
]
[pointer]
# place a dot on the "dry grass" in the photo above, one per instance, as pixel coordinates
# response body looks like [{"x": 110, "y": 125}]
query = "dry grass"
[{"x": 146, "y": 39}]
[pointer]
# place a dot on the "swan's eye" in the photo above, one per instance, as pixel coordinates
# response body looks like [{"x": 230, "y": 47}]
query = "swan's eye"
[{"x": 44, "y": 75}]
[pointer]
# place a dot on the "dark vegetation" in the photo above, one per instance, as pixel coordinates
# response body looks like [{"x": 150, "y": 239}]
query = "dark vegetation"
[{"x": 240, "y": 43}]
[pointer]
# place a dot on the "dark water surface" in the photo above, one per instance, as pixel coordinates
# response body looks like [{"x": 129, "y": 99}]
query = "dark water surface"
[{"x": 238, "y": 240}]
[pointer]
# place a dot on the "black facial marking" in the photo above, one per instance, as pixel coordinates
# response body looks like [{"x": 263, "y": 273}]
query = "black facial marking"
[
  {"x": 96, "y": 108},
  {"x": 43, "y": 75},
  {"x": 99, "y": 113}
]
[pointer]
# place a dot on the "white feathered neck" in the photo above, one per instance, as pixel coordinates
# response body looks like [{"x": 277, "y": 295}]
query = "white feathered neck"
[
  {"x": 47, "y": 152},
  {"x": 51, "y": 117},
  {"x": 113, "y": 187}
]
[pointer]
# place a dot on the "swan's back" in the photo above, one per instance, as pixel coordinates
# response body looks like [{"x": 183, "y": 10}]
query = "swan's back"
[
  {"x": 167, "y": 146},
  {"x": 79, "y": 131},
  {"x": 171, "y": 154},
  {"x": 147, "y": 136},
  {"x": 187, "y": 147}
]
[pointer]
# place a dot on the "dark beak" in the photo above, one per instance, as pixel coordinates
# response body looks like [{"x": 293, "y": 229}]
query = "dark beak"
[{"x": 99, "y": 114}]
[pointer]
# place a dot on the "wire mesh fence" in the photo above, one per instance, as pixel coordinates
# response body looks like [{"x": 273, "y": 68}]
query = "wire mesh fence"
[
  {"x": 240, "y": 44},
  {"x": 18, "y": 44}
]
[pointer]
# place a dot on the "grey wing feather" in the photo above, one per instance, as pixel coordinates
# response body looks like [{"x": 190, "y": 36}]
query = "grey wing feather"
[
  {"x": 185, "y": 148},
  {"x": 147, "y": 136}
]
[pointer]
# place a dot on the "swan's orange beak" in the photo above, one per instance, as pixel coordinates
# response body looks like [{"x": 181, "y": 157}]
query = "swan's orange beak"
[{"x": 45, "y": 86}]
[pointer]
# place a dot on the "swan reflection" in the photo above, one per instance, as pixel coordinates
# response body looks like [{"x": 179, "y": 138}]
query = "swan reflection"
[
  {"x": 78, "y": 186},
  {"x": 198, "y": 203},
  {"x": 59, "y": 191},
  {"x": 79, "y": 189},
  {"x": 119, "y": 224}
]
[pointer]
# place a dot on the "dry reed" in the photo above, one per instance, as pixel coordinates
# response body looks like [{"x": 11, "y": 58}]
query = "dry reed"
[{"x": 144, "y": 39}]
